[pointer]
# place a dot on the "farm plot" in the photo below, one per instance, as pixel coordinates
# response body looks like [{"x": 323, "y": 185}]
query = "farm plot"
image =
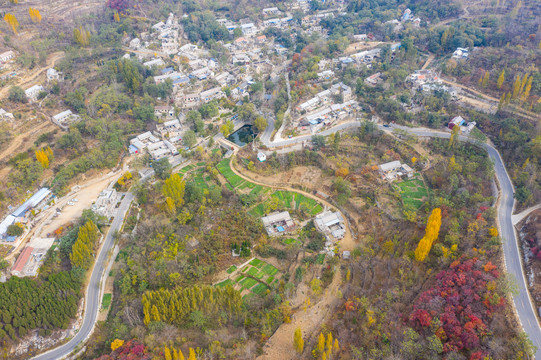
[
  {"x": 255, "y": 279},
  {"x": 413, "y": 193},
  {"x": 233, "y": 179}
]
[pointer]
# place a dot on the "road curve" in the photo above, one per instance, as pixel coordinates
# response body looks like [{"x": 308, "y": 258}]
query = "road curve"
[
  {"x": 93, "y": 290},
  {"x": 512, "y": 257}
]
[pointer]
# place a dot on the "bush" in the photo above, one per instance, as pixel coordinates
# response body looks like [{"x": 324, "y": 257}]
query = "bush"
[{"x": 15, "y": 230}]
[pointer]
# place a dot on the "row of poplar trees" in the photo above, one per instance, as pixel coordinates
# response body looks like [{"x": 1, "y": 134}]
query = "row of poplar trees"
[
  {"x": 83, "y": 250},
  {"x": 175, "y": 306}
]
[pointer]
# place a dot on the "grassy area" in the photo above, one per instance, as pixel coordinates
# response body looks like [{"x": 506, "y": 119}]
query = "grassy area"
[
  {"x": 231, "y": 269},
  {"x": 291, "y": 241},
  {"x": 320, "y": 259},
  {"x": 185, "y": 169},
  {"x": 106, "y": 301},
  {"x": 413, "y": 192}
]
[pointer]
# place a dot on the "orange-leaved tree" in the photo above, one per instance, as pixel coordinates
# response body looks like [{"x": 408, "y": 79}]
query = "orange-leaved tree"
[{"x": 431, "y": 234}]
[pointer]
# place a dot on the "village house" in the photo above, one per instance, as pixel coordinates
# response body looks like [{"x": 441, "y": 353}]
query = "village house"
[
  {"x": 331, "y": 224},
  {"x": 465, "y": 127},
  {"x": 33, "y": 92},
  {"x": 394, "y": 170},
  {"x": 6, "y": 56},
  {"x": 105, "y": 204},
  {"x": 211, "y": 94},
  {"x": 373, "y": 80},
  {"x": 164, "y": 111},
  {"x": 161, "y": 149},
  {"x": 271, "y": 11},
  {"x": 4, "y": 115},
  {"x": 154, "y": 62},
  {"x": 53, "y": 75},
  {"x": 278, "y": 223},
  {"x": 248, "y": 29},
  {"x": 135, "y": 44},
  {"x": 31, "y": 258},
  {"x": 261, "y": 156},
  {"x": 461, "y": 54},
  {"x": 171, "y": 130},
  {"x": 240, "y": 59},
  {"x": 190, "y": 100},
  {"x": 140, "y": 142},
  {"x": 175, "y": 75},
  {"x": 65, "y": 119}
]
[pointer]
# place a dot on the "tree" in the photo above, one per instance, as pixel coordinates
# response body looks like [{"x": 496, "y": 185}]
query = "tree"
[
  {"x": 35, "y": 16},
  {"x": 189, "y": 138},
  {"x": 162, "y": 168},
  {"x": 298, "y": 341},
  {"x": 11, "y": 20},
  {"x": 342, "y": 172},
  {"x": 501, "y": 79},
  {"x": 431, "y": 234},
  {"x": 116, "y": 344},
  {"x": 321, "y": 343},
  {"x": 526, "y": 93},
  {"x": 174, "y": 188},
  {"x": 17, "y": 94},
  {"x": 516, "y": 87},
  {"x": 81, "y": 36},
  {"x": 117, "y": 17},
  {"x": 192, "y": 355},
  {"x": 318, "y": 141},
  {"x": 260, "y": 123},
  {"x": 15, "y": 230},
  {"x": 82, "y": 251}
]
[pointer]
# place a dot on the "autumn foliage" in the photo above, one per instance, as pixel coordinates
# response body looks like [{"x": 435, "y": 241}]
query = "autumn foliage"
[
  {"x": 461, "y": 303},
  {"x": 431, "y": 234},
  {"x": 44, "y": 157},
  {"x": 35, "y": 16},
  {"x": 118, "y": 5},
  {"x": 130, "y": 350},
  {"x": 11, "y": 20}
]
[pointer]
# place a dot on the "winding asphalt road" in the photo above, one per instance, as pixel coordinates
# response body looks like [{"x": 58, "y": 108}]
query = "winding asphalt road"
[
  {"x": 92, "y": 297},
  {"x": 513, "y": 260},
  {"x": 512, "y": 257}
]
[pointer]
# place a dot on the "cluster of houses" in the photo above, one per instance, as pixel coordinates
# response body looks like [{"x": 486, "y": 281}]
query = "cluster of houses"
[
  {"x": 407, "y": 17},
  {"x": 153, "y": 145},
  {"x": 326, "y": 106},
  {"x": 428, "y": 81},
  {"x": 329, "y": 223},
  {"x": 31, "y": 258}
]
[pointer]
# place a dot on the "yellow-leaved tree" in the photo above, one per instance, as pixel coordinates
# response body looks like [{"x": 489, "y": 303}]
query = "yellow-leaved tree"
[
  {"x": 12, "y": 22},
  {"x": 81, "y": 36},
  {"x": 298, "y": 341},
  {"x": 35, "y": 16},
  {"x": 116, "y": 344},
  {"x": 174, "y": 189},
  {"x": 431, "y": 234}
]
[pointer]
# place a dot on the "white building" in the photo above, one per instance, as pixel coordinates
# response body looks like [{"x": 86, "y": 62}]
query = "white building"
[
  {"x": 261, "y": 156},
  {"x": 64, "y": 119},
  {"x": 33, "y": 92},
  {"x": 211, "y": 94},
  {"x": 4, "y": 115},
  {"x": 394, "y": 170},
  {"x": 461, "y": 53},
  {"x": 171, "y": 130},
  {"x": 135, "y": 44},
  {"x": 105, "y": 204},
  {"x": 154, "y": 62},
  {"x": 248, "y": 29},
  {"x": 139, "y": 143},
  {"x": 168, "y": 111},
  {"x": 53, "y": 75},
  {"x": 6, "y": 56},
  {"x": 331, "y": 224},
  {"x": 278, "y": 223}
]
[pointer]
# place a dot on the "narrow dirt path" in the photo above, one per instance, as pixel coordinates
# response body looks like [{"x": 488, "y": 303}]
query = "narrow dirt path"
[
  {"x": 519, "y": 111},
  {"x": 51, "y": 62},
  {"x": 428, "y": 61},
  {"x": 24, "y": 140}
]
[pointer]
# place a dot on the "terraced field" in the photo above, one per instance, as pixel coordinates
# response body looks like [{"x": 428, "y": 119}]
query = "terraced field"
[
  {"x": 413, "y": 192},
  {"x": 254, "y": 279}
]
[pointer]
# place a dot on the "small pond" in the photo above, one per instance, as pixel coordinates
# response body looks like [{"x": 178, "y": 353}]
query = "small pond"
[{"x": 243, "y": 136}]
